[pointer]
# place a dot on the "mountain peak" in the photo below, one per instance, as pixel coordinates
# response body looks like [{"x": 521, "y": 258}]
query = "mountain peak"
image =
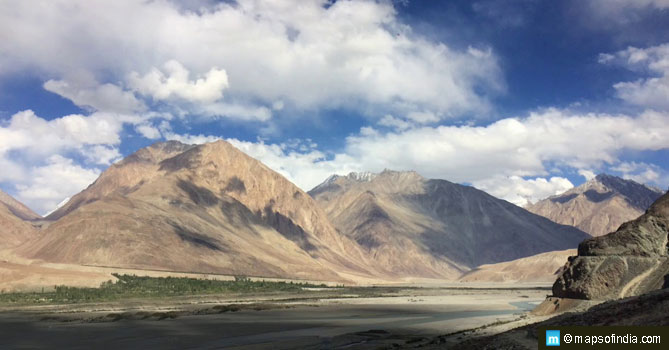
[
  {"x": 336, "y": 182},
  {"x": 599, "y": 205}
]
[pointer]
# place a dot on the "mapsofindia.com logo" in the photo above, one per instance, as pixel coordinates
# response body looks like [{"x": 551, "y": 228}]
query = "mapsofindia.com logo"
[{"x": 552, "y": 338}]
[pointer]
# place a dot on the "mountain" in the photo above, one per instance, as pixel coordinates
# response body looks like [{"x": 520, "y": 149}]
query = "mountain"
[
  {"x": 14, "y": 225},
  {"x": 542, "y": 267},
  {"x": 600, "y": 205},
  {"x": 631, "y": 261},
  {"x": 435, "y": 228},
  {"x": 207, "y": 208},
  {"x": 17, "y": 208}
]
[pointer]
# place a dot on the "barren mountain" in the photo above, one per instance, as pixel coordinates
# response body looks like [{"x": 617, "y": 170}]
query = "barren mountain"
[
  {"x": 14, "y": 228},
  {"x": 628, "y": 262},
  {"x": 600, "y": 205},
  {"x": 542, "y": 267},
  {"x": 207, "y": 208},
  {"x": 416, "y": 226},
  {"x": 17, "y": 208}
]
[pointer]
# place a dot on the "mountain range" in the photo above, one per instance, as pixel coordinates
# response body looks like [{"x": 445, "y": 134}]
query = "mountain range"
[
  {"x": 212, "y": 209},
  {"x": 600, "y": 205},
  {"x": 436, "y": 228},
  {"x": 207, "y": 208}
]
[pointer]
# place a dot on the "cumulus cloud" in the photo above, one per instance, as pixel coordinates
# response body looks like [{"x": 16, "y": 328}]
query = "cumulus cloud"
[
  {"x": 177, "y": 84},
  {"x": 306, "y": 169},
  {"x": 520, "y": 191},
  {"x": 643, "y": 173},
  {"x": 59, "y": 178},
  {"x": 396, "y": 123},
  {"x": 514, "y": 146},
  {"x": 587, "y": 174},
  {"x": 649, "y": 92},
  {"x": 85, "y": 92},
  {"x": 45, "y": 161},
  {"x": 309, "y": 54},
  {"x": 38, "y": 137}
]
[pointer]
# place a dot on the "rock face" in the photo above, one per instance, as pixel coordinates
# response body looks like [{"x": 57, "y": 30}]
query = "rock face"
[
  {"x": 600, "y": 205},
  {"x": 14, "y": 226},
  {"x": 435, "y": 228},
  {"x": 628, "y": 262},
  {"x": 207, "y": 208}
]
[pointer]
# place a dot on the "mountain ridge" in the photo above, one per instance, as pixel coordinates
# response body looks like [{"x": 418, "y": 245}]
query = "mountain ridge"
[
  {"x": 598, "y": 206},
  {"x": 630, "y": 261},
  {"x": 15, "y": 226},
  {"x": 207, "y": 208},
  {"x": 439, "y": 222}
]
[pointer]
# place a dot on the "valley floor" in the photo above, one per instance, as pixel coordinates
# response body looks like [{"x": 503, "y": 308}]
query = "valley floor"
[{"x": 344, "y": 318}]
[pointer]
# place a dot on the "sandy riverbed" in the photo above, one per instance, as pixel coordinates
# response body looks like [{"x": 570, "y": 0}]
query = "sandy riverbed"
[{"x": 264, "y": 322}]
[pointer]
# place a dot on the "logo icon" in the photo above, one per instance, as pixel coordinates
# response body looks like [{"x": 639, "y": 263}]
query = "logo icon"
[{"x": 553, "y": 338}]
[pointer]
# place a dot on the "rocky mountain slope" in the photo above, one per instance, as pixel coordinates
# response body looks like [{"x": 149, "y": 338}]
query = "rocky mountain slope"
[
  {"x": 17, "y": 208},
  {"x": 631, "y": 261},
  {"x": 600, "y": 205},
  {"x": 206, "y": 208},
  {"x": 417, "y": 226},
  {"x": 650, "y": 309},
  {"x": 544, "y": 267},
  {"x": 14, "y": 227}
]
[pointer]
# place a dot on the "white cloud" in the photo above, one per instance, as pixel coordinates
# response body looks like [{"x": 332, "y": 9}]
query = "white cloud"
[
  {"x": 644, "y": 173},
  {"x": 88, "y": 93},
  {"x": 59, "y": 178},
  {"x": 177, "y": 84},
  {"x": 101, "y": 155},
  {"x": 38, "y": 137},
  {"x": 310, "y": 54},
  {"x": 521, "y": 191},
  {"x": 305, "y": 169},
  {"x": 31, "y": 148},
  {"x": 235, "y": 111},
  {"x": 508, "y": 147},
  {"x": 148, "y": 131},
  {"x": 396, "y": 123},
  {"x": 650, "y": 92},
  {"x": 423, "y": 117},
  {"x": 622, "y": 11},
  {"x": 587, "y": 174}
]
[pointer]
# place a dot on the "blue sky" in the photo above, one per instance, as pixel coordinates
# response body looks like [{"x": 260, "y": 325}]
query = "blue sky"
[{"x": 523, "y": 99}]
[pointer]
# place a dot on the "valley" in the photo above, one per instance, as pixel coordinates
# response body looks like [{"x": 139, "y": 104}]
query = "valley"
[
  {"x": 331, "y": 317},
  {"x": 207, "y": 243}
]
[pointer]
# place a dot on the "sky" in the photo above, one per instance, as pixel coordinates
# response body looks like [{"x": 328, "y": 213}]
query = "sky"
[{"x": 523, "y": 99}]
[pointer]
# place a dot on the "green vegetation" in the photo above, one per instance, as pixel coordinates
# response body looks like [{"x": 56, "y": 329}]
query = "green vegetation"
[{"x": 128, "y": 287}]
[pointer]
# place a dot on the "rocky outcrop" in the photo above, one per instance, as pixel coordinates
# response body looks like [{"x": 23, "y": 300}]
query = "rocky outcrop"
[
  {"x": 600, "y": 205},
  {"x": 631, "y": 261}
]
